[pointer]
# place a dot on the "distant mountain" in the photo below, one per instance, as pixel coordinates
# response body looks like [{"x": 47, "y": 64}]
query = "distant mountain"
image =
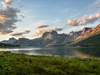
[{"x": 47, "y": 38}]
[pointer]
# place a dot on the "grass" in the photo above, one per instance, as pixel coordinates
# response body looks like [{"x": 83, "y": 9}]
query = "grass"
[{"x": 20, "y": 64}]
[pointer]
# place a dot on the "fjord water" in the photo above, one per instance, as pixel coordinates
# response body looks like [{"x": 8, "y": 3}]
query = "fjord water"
[{"x": 56, "y": 51}]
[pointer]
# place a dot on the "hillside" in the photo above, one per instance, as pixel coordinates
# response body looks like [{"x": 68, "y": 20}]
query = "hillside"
[
  {"x": 93, "y": 41},
  {"x": 90, "y": 38}
]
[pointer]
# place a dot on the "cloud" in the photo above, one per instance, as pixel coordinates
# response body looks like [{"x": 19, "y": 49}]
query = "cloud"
[
  {"x": 40, "y": 31},
  {"x": 58, "y": 29},
  {"x": 45, "y": 28},
  {"x": 98, "y": 15},
  {"x": 72, "y": 22},
  {"x": 84, "y": 20},
  {"x": 42, "y": 26},
  {"x": 8, "y": 17},
  {"x": 92, "y": 8},
  {"x": 20, "y": 33},
  {"x": 7, "y": 3},
  {"x": 2, "y": 18}
]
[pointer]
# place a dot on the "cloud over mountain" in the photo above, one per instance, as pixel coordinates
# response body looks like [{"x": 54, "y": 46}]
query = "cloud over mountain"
[{"x": 45, "y": 28}]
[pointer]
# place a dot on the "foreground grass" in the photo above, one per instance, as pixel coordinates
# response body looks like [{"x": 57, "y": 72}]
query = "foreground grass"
[{"x": 17, "y": 64}]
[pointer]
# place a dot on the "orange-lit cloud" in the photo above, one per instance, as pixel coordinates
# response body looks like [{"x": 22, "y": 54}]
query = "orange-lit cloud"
[
  {"x": 40, "y": 31},
  {"x": 45, "y": 28},
  {"x": 6, "y": 3},
  {"x": 84, "y": 20},
  {"x": 72, "y": 22},
  {"x": 2, "y": 18}
]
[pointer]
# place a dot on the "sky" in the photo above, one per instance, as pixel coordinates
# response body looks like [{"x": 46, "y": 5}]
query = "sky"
[{"x": 29, "y": 14}]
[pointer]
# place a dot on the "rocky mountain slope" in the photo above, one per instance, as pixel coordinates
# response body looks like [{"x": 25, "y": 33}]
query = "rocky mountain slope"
[{"x": 90, "y": 37}]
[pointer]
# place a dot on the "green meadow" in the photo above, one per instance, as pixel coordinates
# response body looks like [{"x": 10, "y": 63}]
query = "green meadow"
[{"x": 20, "y": 64}]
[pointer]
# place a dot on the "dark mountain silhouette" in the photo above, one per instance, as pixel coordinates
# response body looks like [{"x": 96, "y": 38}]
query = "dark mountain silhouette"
[{"x": 4, "y": 45}]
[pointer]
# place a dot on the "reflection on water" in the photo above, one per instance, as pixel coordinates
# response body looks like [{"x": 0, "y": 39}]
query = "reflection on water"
[
  {"x": 91, "y": 51},
  {"x": 67, "y": 52}
]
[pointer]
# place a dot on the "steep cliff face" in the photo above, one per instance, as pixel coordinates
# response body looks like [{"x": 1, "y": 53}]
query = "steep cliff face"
[{"x": 53, "y": 38}]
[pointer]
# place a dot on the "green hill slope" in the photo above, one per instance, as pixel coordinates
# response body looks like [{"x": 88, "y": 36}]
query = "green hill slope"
[
  {"x": 89, "y": 38},
  {"x": 93, "y": 41}
]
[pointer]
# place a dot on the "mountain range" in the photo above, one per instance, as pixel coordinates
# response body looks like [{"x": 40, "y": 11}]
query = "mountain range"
[{"x": 55, "y": 39}]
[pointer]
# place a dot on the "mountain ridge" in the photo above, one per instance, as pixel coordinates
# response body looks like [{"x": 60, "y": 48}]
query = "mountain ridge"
[{"x": 91, "y": 34}]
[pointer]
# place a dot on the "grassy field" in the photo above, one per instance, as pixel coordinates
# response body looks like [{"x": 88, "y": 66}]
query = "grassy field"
[{"x": 17, "y": 64}]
